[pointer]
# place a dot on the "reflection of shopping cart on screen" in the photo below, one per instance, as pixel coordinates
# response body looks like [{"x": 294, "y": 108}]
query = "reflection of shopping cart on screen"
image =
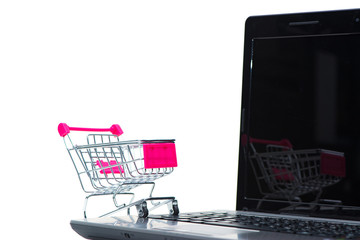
[
  {"x": 284, "y": 173},
  {"x": 107, "y": 166}
]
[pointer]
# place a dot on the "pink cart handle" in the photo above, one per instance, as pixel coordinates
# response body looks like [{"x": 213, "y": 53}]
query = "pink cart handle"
[
  {"x": 282, "y": 142},
  {"x": 64, "y": 129}
]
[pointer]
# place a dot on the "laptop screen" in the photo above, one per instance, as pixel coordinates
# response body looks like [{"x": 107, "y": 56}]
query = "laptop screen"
[{"x": 302, "y": 136}]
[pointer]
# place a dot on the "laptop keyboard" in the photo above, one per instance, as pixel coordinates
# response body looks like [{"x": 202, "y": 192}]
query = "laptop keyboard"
[{"x": 283, "y": 225}]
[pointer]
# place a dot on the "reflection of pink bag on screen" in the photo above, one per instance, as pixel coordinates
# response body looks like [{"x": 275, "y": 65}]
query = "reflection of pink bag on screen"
[
  {"x": 116, "y": 169},
  {"x": 159, "y": 155},
  {"x": 332, "y": 164},
  {"x": 283, "y": 174}
]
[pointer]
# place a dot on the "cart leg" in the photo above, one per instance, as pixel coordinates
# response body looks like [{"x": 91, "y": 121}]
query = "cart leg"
[
  {"x": 151, "y": 192},
  {"x": 150, "y": 196},
  {"x": 85, "y": 205},
  {"x": 122, "y": 205},
  {"x": 119, "y": 207},
  {"x": 86, "y": 202}
]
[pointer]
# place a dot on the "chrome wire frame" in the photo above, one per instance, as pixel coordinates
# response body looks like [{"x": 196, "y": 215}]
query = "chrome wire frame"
[{"x": 107, "y": 166}]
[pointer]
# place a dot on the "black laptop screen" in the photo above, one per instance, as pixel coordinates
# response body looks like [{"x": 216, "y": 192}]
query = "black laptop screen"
[{"x": 304, "y": 124}]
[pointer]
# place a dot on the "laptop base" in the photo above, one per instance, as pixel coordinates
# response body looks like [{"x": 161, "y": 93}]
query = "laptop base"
[{"x": 132, "y": 227}]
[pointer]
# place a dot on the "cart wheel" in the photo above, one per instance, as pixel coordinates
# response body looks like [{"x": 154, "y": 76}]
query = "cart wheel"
[
  {"x": 175, "y": 208},
  {"x": 143, "y": 211}
]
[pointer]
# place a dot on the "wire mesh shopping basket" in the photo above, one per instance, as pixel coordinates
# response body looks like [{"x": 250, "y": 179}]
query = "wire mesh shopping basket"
[
  {"x": 284, "y": 173},
  {"x": 107, "y": 166}
]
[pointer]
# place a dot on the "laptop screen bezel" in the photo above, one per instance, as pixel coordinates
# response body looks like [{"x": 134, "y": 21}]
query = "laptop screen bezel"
[{"x": 284, "y": 25}]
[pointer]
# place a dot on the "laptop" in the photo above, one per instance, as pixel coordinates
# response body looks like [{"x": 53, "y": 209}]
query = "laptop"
[{"x": 299, "y": 153}]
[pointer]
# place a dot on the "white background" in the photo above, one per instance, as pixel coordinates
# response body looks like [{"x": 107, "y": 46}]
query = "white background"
[{"x": 161, "y": 69}]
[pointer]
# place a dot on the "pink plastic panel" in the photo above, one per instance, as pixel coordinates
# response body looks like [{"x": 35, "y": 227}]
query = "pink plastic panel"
[
  {"x": 159, "y": 155},
  {"x": 332, "y": 164},
  {"x": 108, "y": 170}
]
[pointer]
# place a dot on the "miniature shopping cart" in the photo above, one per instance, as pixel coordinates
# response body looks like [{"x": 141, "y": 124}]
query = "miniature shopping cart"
[
  {"x": 284, "y": 173},
  {"x": 108, "y": 166}
]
